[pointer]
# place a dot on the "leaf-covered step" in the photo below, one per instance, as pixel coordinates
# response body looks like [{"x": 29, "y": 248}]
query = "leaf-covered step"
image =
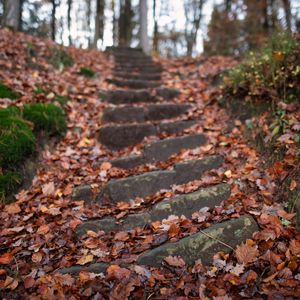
[
  {"x": 203, "y": 245},
  {"x": 152, "y": 182},
  {"x": 142, "y": 70},
  {"x": 128, "y": 114},
  {"x": 121, "y": 136},
  {"x": 138, "y": 60},
  {"x": 130, "y": 75},
  {"x": 180, "y": 205},
  {"x": 221, "y": 237},
  {"x": 160, "y": 151},
  {"x": 139, "y": 96},
  {"x": 134, "y": 83}
]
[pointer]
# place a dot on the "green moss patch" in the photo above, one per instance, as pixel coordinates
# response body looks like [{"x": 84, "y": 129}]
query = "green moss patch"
[
  {"x": 60, "y": 59},
  {"x": 16, "y": 141},
  {"x": 45, "y": 117},
  {"x": 87, "y": 72},
  {"x": 6, "y": 92},
  {"x": 8, "y": 184}
]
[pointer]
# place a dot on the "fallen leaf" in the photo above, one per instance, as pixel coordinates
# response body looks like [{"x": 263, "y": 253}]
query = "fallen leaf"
[
  {"x": 175, "y": 261},
  {"x": 43, "y": 229},
  {"x": 6, "y": 258},
  {"x": 48, "y": 189},
  {"x": 246, "y": 254},
  {"x": 12, "y": 209},
  {"x": 174, "y": 230},
  {"x": 85, "y": 259}
]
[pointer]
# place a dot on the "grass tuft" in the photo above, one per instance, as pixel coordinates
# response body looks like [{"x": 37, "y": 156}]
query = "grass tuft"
[
  {"x": 87, "y": 72},
  {"x": 8, "y": 184},
  {"x": 6, "y": 92}
]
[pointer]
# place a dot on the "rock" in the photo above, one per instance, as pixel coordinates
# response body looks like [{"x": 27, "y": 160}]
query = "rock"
[
  {"x": 203, "y": 245},
  {"x": 149, "y": 183},
  {"x": 139, "y": 114},
  {"x": 180, "y": 205},
  {"x": 129, "y": 162},
  {"x": 83, "y": 192},
  {"x": 175, "y": 127},
  {"x": 117, "y": 137},
  {"x": 134, "y": 83},
  {"x": 163, "y": 149},
  {"x": 123, "y": 114},
  {"x": 121, "y": 136},
  {"x": 138, "y": 96},
  {"x": 93, "y": 268}
]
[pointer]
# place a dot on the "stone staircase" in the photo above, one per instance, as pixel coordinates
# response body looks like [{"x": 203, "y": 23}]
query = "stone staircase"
[{"x": 143, "y": 108}]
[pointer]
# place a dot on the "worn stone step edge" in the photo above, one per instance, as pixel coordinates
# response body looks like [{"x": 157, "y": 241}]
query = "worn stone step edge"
[
  {"x": 150, "y": 112},
  {"x": 139, "y": 96},
  {"x": 182, "y": 205},
  {"x": 134, "y": 83},
  {"x": 202, "y": 245},
  {"x": 160, "y": 151},
  {"x": 117, "y": 136},
  {"x": 152, "y": 77},
  {"x": 149, "y": 183}
]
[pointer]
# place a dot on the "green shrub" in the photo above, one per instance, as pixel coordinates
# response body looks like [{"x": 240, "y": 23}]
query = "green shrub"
[
  {"x": 87, "y": 72},
  {"x": 16, "y": 141},
  {"x": 6, "y": 92},
  {"x": 46, "y": 117},
  {"x": 60, "y": 58},
  {"x": 8, "y": 184},
  {"x": 274, "y": 67}
]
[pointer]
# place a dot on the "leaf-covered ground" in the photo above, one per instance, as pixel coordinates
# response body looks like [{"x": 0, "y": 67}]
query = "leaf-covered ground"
[{"x": 37, "y": 232}]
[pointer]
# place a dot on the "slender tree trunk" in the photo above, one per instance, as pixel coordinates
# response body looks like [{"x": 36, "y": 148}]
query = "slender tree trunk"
[
  {"x": 115, "y": 23},
  {"x": 288, "y": 14},
  {"x": 69, "y": 21},
  {"x": 99, "y": 22},
  {"x": 12, "y": 13},
  {"x": 155, "y": 31},
  {"x": 53, "y": 20},
  {"x": 144, "y": 39},
  {"x": 88, "y": 22}
]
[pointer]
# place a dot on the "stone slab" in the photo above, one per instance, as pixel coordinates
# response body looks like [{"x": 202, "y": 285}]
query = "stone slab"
[
  {"x": 185, "y": 205},
  {"x": 175, "y": 127},
  {"x": 129, "y": 162},
  {"x": 121, "y": 136},
  {"x": 203, "y": 245},
  {"x": 138, "y": 76},
  {"x": 152, "y": 112},
  {"x": 83, "y": 192},
  {"x": 134, "y": 83},
  {"x": 149, "y": 183},
  {"x": 142, "y": 70}
]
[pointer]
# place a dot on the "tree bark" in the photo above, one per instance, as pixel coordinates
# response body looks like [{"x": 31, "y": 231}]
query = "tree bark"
[
  {"x": 155, "y": 30},
  {"x": 99, "y": 22},
  {"x": 288, "y": 14},
  {"x": 69, "y": 21},
  {"x": 144, "y": 39},
  {"x": 12, "y": 14},
  {"x": 115, "y": 23},
  {"x": 125, "y": 23},
  {"x": 53, "y": 19}
]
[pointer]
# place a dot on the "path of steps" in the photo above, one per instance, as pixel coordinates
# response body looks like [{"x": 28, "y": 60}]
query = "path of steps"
[{"x": 131, "y": 115}]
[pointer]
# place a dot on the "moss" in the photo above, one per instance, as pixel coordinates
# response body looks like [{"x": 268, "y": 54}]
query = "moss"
[
  {"x": 9, "y": 182},
  {"x": 11, "y": 111},
  {"x": 6, "y": 92},
  {"x": 60, "y": 58},
  {"x": 62, "y": 100},
  {"x": 87, "y": 72},
  {"x": 16, "y": 141},
  {"x": 46, "y": 117}
]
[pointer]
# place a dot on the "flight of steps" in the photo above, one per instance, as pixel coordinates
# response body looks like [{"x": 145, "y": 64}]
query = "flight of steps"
[{"x": 143, "y": 107}]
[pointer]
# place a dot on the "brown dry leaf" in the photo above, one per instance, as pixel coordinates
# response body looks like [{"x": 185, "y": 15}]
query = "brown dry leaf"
[
  {"x": 37, "y": 257},
  {"x": 85, "y": 259},
  {"x": 174, "y": 230},
  {"x": 10, "y": 283},
  {"x": 122, "y": 236},
  {"x": 293, "y": 185},
  {"x": 48, "y": 189},
  {"x": 246, "y": 254},
  {"x": 175, "y": 261},
  {"x": 105, "y": 166},
  {"x": 116, "y": 272},
  {"x": 6, "y": 258},
  {"x": 295, "y": 247},
  {"x": 13, "y": 208},
  {"x": 43, "y": 229}
]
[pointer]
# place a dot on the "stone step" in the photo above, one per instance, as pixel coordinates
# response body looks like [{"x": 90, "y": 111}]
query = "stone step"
[
  {"x": 142, "y": 70},
  {"x": 128, "y": 114},
  {"x": 133, "y": 60},
  {"x": 120, "y": 136},
  {"x": 149, "y": 183},
  {"x": 130, "y": 75},
  {"x": 123, "y": 49},
  {"x": 160, "y": 151},
  {"x": 184, "y": 205},
  {"x": 134, "y": 83},
  {"x": 203, "y": 245},
  {"x": 138, "y": 65},
  {"x": 221, "y": 237},
  {"x": 138, "y": 96}
]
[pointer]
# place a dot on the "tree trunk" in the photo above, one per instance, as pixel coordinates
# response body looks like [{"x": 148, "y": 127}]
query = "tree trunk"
[
  {"x": 155, "y": 31},
  {"x": 144, "y": 39},
  {"x": 115, "y": 24},
  {"x": 53, "y": 19},
  {"x": 69, "y": 21},
  {"x": 12, "y": 13},
  {"x": 99, "y": 22},
  {"x": 288, "y": 14},
  {"x": 125, "y": 23}
]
